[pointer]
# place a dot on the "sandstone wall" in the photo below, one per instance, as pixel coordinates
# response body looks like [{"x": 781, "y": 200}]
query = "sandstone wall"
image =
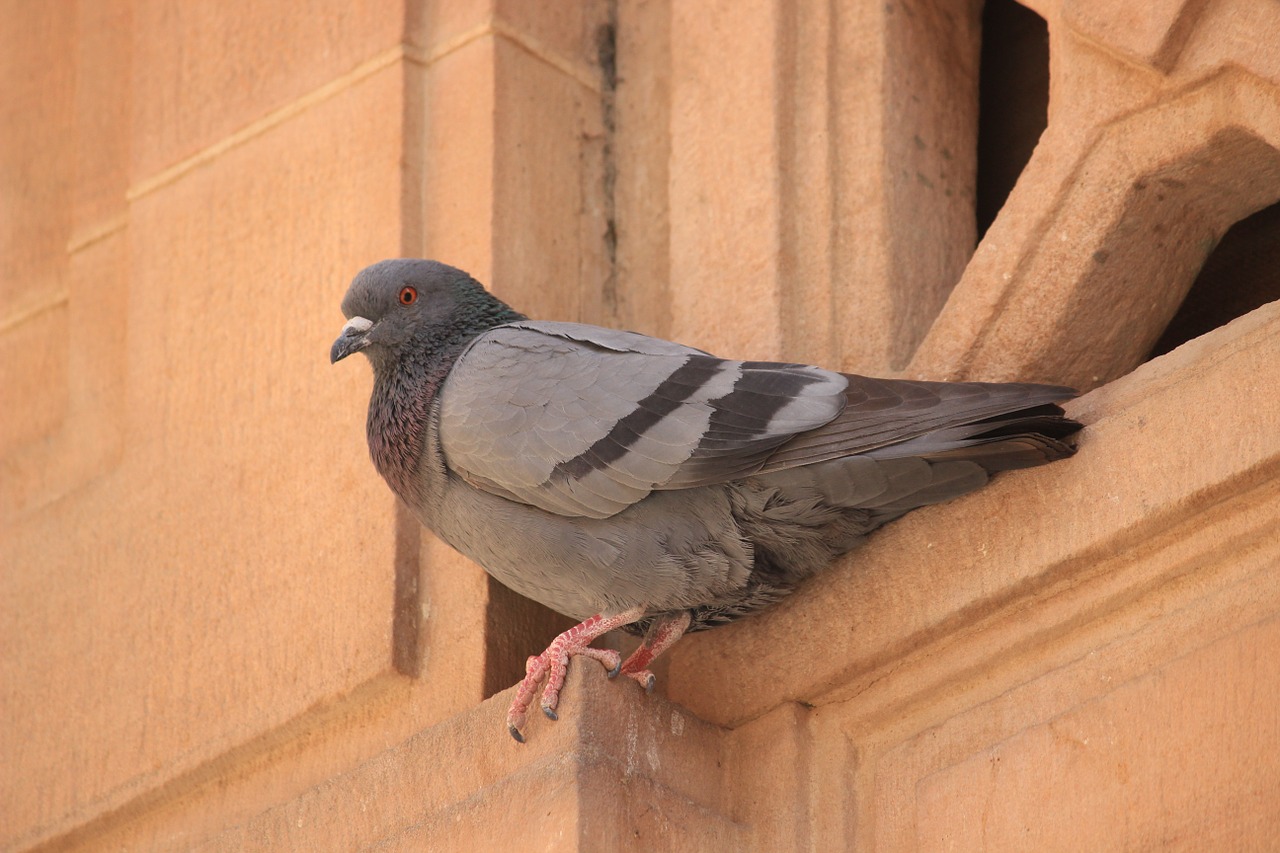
[{"x": 220, "y": 633}]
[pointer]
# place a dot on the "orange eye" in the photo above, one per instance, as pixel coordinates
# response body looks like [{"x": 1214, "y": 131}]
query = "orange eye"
[{"x": 408, "y": 296}]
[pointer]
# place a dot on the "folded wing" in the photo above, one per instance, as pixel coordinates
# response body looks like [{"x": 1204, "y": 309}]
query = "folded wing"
[{"x": 584, "y": 421}]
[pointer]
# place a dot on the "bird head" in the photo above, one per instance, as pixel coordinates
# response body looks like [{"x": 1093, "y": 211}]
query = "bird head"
[{"x": 404, "y": 302}]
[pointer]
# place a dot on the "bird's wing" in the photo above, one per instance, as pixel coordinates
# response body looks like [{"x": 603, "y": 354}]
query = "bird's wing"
[{"x": 584, "y": 421}]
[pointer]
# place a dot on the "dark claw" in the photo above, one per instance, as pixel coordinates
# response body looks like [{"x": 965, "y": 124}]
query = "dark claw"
[
  {"x": 613, "y": 673},
  {"x": 649, "y": 682},
  {"x": 551, "y": 715},
  {"x": 515, "y": 733}
]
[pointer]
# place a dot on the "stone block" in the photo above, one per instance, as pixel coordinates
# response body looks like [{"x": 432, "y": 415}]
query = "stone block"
[
  {"x": 514, "y": 181},
  {"x": 1240, "y": 33},
  {"x": 71, "y": 357},
  {"x": 619, "y": 770},
  {"x": 1154, "y": 740},
  {"x": 820, "y": 177},
  {"x": 36, "y": 155},
  {"x": 458, "y": 175},
  {"x": 769, "y": 765},
  {"x": 725, "y": 227},
  {"x": 204, "y": 71},
  {"x": 1103, "y": 236},
  {"x": 638, "y": 294},
  {"x": 103, "y": 134},
  {"x": 548, "y": 219},
  {"x": 568, "y": 39},
  {"x": 33, "y": 377},
  {"x": 1153, "y": 33},
  {"x": 238, "y": 566},
  {"x": 927, "y": 97},
  {"x": 438, "y": 27}
]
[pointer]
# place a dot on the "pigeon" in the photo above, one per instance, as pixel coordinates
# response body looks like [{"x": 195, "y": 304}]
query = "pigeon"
[{"x": 633, "y": 483}]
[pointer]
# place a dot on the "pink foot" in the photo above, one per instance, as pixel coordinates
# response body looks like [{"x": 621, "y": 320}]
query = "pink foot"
[
  {"x": 661, "y": 636},
  {"x": 553, "y": 665}
]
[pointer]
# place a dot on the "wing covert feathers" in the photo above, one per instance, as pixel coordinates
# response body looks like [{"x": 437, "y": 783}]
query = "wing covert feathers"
[{"x": 585, "y": 421}]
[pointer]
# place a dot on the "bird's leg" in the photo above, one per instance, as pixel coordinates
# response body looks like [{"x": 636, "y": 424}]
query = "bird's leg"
[
  {"x": 552, "y": 665},
  {"x": 662, "y": 635}
]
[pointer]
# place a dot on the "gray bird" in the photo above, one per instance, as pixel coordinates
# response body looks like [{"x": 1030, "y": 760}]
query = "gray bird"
[{"x": 634, "y": 483}]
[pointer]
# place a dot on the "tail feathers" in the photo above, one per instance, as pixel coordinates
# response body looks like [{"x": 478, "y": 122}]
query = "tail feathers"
[
  {"x": 1022, "y": 439},
  {"x": 1012, "y": 453},
  {"x": 891, "y": 480},
  {"x": 887, "y": 415}
]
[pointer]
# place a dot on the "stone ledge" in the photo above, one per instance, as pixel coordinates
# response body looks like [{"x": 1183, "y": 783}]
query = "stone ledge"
[
  {"x": 1143, "y": 469},
  {"x": 614, "y": 759}
]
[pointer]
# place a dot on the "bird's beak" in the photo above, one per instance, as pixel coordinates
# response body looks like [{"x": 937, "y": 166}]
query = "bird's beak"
[{"x": 354, "y": 337}]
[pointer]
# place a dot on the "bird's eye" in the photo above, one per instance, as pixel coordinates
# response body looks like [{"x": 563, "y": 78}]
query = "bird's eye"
[{"x": 408, "y": 295}]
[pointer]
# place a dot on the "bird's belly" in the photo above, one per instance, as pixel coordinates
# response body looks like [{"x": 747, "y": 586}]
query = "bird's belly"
[{"x": 671, "y": 550}]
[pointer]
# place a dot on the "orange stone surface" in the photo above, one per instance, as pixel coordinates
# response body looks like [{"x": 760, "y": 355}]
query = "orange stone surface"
[{"x": 219, "y": 630}]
